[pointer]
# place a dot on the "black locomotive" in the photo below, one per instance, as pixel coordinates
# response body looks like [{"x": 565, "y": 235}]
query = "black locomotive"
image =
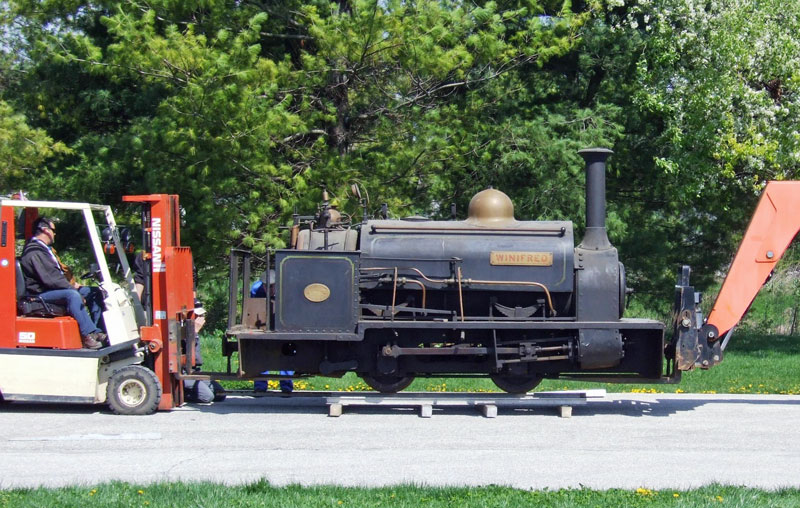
[{"x": 395, "y": 299}]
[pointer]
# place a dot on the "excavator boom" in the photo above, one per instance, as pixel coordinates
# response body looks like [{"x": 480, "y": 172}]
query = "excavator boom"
[{"x": 774, "y": 225}]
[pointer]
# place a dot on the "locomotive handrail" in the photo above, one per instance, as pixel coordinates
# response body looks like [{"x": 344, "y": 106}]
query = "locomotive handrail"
[{"x": 374, "y": 229}]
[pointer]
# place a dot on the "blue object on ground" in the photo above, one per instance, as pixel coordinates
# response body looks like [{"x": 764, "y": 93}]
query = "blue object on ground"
[{"x": 286, "y": 385}]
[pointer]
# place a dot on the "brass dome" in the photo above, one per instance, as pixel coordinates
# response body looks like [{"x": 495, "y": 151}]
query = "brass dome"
[{"x": 490, "y": 207}]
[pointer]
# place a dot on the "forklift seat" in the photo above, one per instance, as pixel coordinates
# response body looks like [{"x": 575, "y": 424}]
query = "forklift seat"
[{"x": 32, "y": 305}]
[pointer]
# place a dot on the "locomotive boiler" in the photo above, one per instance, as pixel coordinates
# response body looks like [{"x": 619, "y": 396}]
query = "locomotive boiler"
[{"x": 491, "y": 295}]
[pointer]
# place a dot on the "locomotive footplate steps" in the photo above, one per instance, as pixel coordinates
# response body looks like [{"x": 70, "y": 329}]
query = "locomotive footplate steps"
[{"x": 487, "y": 403}]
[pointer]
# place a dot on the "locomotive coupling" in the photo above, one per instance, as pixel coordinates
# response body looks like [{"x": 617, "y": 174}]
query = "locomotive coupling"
[{"x": 694, "y": 343}]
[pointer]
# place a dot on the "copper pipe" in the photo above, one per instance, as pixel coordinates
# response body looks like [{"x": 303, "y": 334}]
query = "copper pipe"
[
  {"x": 295, "y": 233},
  {"x": 435, "y": 281},
  {"x": 477, "y": 281},
  {"x": 421, "y": 286},
  {"x": 516, "y": 283},
  {"x": 460, "y": 296},
  {"x": 404, "y": 280},
  {"x": 424, "y": 277},
  {"x": 394, "y": 291}
]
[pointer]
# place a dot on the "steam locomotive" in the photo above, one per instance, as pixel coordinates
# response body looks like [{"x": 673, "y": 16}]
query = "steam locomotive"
[{"x": 487, "y": 296}]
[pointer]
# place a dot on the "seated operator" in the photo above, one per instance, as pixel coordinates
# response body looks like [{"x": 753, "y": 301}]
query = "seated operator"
[{"x": 50, "y": 280}]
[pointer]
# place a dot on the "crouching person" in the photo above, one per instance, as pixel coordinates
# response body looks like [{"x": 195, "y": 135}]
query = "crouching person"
[{"x": 202, "y": 391}]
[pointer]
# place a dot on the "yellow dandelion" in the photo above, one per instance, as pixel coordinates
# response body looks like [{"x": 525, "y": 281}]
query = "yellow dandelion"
[
  {"x": 340, "y": 502},
  {"x": 140, "y": 492},
  {"x": 719, "y": 498},
  {"x": 676, "y": 495}
]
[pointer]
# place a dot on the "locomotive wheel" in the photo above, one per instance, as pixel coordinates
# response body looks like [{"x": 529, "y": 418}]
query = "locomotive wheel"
[
  {"x": 134, "y": 390},
  {"x": 516, "y": 384},
  {"x": 387, "y": 383}
]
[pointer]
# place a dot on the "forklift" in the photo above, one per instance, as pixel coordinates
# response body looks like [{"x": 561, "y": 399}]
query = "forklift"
[{"x": 139, "y": 371}]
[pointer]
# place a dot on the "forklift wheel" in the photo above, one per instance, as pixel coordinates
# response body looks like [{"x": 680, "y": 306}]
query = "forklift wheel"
[{"x": 134, "y": 390}]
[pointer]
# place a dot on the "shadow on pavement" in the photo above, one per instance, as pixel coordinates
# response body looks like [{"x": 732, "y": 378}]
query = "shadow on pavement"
[{"x": 642, "y": 405}]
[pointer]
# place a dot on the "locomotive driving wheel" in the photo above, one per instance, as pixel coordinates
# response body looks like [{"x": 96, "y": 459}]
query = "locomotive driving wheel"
[
  {"x": 387, "y": 383},
  {"x": 515, "y": 384}
]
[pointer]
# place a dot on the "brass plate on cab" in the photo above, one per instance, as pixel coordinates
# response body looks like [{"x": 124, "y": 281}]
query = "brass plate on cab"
[
  {"x": 317, "y": 292},
  {"x": 510, "y": 258}
]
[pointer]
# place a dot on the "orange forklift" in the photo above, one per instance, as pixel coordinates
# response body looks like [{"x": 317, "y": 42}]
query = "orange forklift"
[{"x": 41, "y": 355}]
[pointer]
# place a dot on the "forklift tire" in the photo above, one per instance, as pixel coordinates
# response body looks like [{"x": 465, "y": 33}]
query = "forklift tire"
[{"x": 134, "y": 390}]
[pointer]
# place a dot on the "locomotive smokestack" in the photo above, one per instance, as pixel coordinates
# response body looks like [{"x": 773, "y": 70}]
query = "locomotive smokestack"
[{"x": 596, "y": 237}]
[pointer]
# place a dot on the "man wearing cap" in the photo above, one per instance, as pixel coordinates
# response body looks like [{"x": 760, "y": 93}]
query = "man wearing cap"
[{"x": 45, "y": 277}]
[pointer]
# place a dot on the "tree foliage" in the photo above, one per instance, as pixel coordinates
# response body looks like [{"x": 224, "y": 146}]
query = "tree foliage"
[{"x": 22, "y": 148}]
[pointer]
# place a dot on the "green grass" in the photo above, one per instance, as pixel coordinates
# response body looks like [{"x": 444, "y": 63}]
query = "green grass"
[
  {"x": 262, "y": 494},
  {"x": 753, "y": 363}
]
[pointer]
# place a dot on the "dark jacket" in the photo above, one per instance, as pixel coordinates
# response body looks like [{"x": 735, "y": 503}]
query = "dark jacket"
[
  {"x": 137, "y": 267},
  {"x": 40, "y": 270}
]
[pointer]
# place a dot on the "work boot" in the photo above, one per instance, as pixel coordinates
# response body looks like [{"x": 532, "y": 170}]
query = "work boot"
[
  {"x": 93, "y": 340},
  {"x": 103, "y": 338}
]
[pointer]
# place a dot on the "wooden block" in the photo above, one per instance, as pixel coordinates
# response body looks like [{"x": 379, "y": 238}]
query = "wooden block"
[
  {"x": 335, "y": 410},
  {"x": 489, "y": 410},
  {"x": 565, "y": 411},
  {"x": 426, "y": 410}
]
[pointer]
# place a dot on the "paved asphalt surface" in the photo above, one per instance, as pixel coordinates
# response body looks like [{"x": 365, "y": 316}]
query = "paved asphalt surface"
[{"x": 625, "y": 440}]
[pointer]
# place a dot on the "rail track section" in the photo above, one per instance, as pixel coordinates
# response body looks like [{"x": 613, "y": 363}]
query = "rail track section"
[{"x": 425, "y": 402}]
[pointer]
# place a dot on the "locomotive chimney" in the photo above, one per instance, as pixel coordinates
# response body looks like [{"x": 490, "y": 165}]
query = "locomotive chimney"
[{"x": 595, "y": 237}]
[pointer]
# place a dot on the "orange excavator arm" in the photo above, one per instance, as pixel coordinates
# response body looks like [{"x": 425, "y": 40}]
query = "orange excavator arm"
[
  {"x": 772, "y": 228},
  {"x": 774, "y": 225}
]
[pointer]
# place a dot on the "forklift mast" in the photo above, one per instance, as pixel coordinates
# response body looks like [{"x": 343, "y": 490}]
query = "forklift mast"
[{"x": 169, "y": 293}]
